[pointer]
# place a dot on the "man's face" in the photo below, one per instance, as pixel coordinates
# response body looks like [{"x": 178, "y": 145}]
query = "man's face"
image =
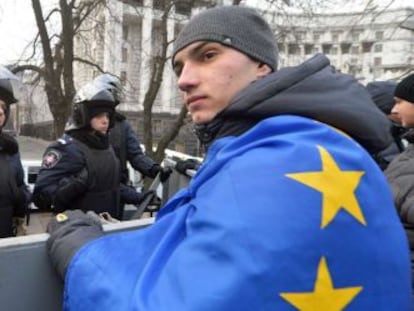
[
  {"x": 404, "y": 110},
  {"x": 2, "y": 113},
  {"x": 211, "y": 74},
  {"x": 100, "y": 122}
]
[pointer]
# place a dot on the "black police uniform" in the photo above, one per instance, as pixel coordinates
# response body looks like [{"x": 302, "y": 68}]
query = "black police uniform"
[{"x": 78, "y": 173}]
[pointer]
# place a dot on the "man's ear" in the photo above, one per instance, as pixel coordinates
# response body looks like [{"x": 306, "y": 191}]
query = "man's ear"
[{"x": 263, "y": 70}]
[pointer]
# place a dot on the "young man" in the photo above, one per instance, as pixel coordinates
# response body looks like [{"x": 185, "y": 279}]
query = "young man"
[
  {"x": 400, "y": 172},
  {"x": 287, "y": 211},
  {"x": 80, "y": 170}
]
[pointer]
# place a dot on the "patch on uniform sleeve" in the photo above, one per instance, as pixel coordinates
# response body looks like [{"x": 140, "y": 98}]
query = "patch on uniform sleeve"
[{"x": 51, "y": 158}]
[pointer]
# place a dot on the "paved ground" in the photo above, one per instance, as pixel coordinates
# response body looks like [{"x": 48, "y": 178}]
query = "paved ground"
[
  {"x": 31, "y": 148},
  {"x": 38, "y": 223}
]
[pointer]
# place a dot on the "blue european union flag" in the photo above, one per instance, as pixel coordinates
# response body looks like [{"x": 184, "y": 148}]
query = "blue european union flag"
[{"x": 291, "y": 215}]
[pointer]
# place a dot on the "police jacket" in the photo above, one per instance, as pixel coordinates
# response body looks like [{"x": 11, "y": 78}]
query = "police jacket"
[
  {"x": 283, "y": 213},
  {"x": 14, "y": 195},
  {"x": 127, "y": 147},
  {"x": 79, "y": 171}
]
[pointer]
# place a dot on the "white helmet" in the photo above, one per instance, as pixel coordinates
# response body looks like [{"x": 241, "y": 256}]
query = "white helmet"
[
  {"x": 91, "y": 99},
  {"x": 113, "y": 84}
]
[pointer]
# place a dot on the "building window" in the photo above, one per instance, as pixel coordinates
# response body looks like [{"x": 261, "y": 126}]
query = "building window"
[
  {"x": 134, "y": 2},
  {"x": 282, "y": 47},
  {"x": 183, "y": 7},
  {"x": 300, "y": 35},
  {"x": 326, "y": 48},
  {"x": 355, "y": 36},
  {"x": 125, "y": 32},
  {"x": 309, "y": 49},
  {"x": 345, "y": 47},
  {"x": 281, "y": 37},
  {"x": 378, "y": 48},
  {"x": 367, "y": 46},
  {"x": 123, "y": 77},
  {"x": 293, "y": 49},
  {"x": 157, "y": 127},
  {"x": 159, "y": 4},
  {"x": 379, "y": 35},
  {"x": 124, "y": 55},
  {"x": 377, "y": 61},
  {"x": 157, "y": 37},
  {"x": 355, "y": 50},
  {"x": 336, "y": 36},
  {"x": 317, "y": 36}
]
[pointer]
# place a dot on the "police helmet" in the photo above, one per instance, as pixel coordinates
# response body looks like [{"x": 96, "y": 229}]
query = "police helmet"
[
  {"x": 90, "y": 100},
  {"x": 9, "y": 86},
  {"x": 114, "y": 85}
]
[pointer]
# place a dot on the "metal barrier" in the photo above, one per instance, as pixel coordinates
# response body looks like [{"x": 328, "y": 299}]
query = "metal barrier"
[{"x": 28, "y": 280}]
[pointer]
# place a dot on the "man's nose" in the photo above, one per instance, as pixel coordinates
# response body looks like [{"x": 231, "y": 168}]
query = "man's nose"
[{"x": 188, "y": 77}]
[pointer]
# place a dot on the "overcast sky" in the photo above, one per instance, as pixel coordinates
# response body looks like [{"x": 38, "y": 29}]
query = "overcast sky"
[{"x": 17, "y": 25}]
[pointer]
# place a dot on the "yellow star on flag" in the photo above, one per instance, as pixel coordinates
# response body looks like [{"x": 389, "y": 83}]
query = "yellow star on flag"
[
  {"x": 337, "y": 188},
  {"x": 324, "y": 296}
]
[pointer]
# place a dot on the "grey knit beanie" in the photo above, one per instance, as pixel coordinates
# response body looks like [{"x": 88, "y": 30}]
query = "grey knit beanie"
[
  {"x": 238, "y": 27},
  {"x": 405, "y": 89}
]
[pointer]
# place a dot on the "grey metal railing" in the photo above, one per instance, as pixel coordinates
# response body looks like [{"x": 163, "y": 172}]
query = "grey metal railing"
[{"x": 28, "y": 280}]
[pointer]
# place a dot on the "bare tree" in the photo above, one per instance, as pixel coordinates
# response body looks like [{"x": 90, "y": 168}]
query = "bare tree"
[
  {"x": 56, "y": 69},
  {"x": 57, "y": 72},
  {"x": 58, "y": 57}
]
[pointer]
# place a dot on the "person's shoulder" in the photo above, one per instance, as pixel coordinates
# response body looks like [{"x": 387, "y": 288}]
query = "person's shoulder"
[
  {"x": 61, "y": 143},
  {"x": 119, "y": 117},
  {"x": 63, "y": 146}
]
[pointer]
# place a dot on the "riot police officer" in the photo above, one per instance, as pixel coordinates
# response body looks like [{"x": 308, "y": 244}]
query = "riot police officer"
[
  {"x": 81, "y": 170},
  {"x": 14, "y": 194},
  {"x": 126, "y": 145}
]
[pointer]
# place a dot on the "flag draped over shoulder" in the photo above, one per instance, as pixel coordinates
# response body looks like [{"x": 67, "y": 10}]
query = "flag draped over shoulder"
[{"x": 292, "y": 215}]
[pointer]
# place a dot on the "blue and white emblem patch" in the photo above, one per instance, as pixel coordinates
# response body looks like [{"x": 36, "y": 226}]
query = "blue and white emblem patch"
[{"x": 51, "y": 158}]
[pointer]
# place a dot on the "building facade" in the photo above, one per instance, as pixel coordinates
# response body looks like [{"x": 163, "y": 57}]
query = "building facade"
[
  {"x": 123, "y": 37},
  {"x": 369, "y": 45}
]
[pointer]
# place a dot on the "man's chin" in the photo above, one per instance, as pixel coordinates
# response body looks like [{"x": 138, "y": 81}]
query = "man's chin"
[{"x": 199, "y": 120}]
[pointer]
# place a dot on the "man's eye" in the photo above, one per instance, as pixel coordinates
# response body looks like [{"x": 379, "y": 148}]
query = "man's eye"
[
  {"x": 177, "y": 70},
  {"x": 209, "y": 54}
]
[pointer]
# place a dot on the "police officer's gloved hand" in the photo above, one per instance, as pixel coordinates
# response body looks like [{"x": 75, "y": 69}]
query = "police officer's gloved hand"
[
  {"x": 69, "y": 189},
  {"x": 69, "y": 231},
  {"x": 42, "y": 201},
  {"x": 183, "y": 165},
  {"x": 165, "y": 173}
]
